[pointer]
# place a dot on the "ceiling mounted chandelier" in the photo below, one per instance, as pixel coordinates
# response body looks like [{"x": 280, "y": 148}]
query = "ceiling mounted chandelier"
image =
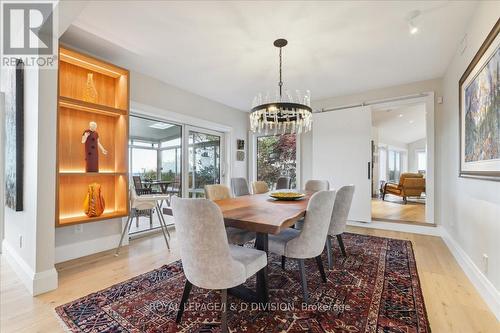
[{"x": 281, "y": 112}]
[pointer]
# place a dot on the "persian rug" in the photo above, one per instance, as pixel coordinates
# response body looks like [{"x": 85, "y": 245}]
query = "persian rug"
[{"x": 374, "y": 289}]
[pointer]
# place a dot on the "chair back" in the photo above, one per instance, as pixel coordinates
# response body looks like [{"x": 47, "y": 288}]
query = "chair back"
[
  {"x": 317, "y": 185},
  {"x": 260, "y": 187},
  {"x": 283, "y": 183},
  {"x": 203, "y": 245},
  {"x": 140, "y": 203},
  {"x": 341, "y": 209},
  {"x": 406, "y": 175},
  {"x": 239, "y": 186},
  {"x": 137, "y": 182},
  {"x": 217, "y": 192},
  {"x": 312, "y": 238}
]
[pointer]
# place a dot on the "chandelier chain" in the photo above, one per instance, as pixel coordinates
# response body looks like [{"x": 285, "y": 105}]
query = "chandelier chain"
[{"x": 281, "y": 81}]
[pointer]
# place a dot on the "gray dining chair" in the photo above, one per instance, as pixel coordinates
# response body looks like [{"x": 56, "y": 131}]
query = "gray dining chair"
[
  {"x": 259, "y": 187},
  {"x": 317, "y": 185},
  {"x": 308, "y": 242},
  {"x": 208, "y": 260},
  {"x": 283, "y": 183},
  {"x": 341, "y": 208},
  {"x": 234, "y": 235},
  {"x": 239, "y": 186}
]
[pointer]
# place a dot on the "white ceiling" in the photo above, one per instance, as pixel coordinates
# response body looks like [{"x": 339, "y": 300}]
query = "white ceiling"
[
  {"x": 223, "y": 50},
  {"x": 403, "y": 124}
]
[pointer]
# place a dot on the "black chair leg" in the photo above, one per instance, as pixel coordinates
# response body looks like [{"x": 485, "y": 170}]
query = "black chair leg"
[
  {"x": 283, "y": 262},
  {"x": 185, "y": 296},
  {"x": 329, "y": 251},
  {"x": 303, "y": 279},
  {"x": 341, "y": 243},
  {"x": 223, "y": 321},
  {"x": 321, "y": 268}
]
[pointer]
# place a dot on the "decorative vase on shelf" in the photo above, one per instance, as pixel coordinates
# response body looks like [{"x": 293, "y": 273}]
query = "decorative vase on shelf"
[
  {"x": 93, "y": 205},
  {"x": 90, "y": 93}
]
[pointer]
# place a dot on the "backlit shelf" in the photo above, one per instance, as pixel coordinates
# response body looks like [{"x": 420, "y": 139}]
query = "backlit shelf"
[
  {"x": 75, "y": 219},
  {"x": 83, "y": 173},
  {"x": 76, "y": 104}
]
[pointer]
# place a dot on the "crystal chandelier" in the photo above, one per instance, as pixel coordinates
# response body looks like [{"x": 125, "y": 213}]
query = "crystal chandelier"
[{"x": 281, "y": 113}]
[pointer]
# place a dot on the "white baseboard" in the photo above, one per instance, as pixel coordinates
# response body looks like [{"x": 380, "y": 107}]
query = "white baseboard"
[
  {"x": 486, "y": 289},
  {"x": 36, "y": 283},
  {"x": 430, "y": 230},
  {"x": 85, "y": 248}
]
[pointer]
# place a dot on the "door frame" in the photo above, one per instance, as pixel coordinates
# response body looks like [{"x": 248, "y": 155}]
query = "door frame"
[
  {"x": 252, "y": 154},
  {"x": 428, "y": 99},
  {"x": 185, "y": 121},
  {"x": 223, "y": 170}
]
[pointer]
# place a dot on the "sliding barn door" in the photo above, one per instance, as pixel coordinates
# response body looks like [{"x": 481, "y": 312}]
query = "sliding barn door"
[{"x": 341, "y": 154}]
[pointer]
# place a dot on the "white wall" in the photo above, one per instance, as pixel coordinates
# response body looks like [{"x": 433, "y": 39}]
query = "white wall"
[
  {"x": 468, "y": 209},
  {"x": 104, "y": 235},
  {"x": 412, "y": 153}
]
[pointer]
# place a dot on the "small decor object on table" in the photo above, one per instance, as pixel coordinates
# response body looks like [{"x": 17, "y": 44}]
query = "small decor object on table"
[
  {"x": 90, "y": 94},
  {"x": 90, "y": 138},
  {"x": 286, "y": 195},
  {"x": 12, "y": 84},
  {"x": 93, "y": 205},
  {"x": 479, "y": 95}
]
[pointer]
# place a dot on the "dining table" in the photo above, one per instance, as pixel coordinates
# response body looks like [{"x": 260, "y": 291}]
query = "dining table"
[{"x": 265, "y": 216}]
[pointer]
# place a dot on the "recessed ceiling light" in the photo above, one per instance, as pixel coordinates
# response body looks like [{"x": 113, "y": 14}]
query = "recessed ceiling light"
[
  {"x": 411, "y": 121},
  {"x": 400, "y": 115},
  {"x": 161, "y": 125}
]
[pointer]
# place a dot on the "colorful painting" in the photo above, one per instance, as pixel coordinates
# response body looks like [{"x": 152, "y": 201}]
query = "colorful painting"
[
  {"x": 480, "y": 112},
  {"x": 13, "y": 87}
]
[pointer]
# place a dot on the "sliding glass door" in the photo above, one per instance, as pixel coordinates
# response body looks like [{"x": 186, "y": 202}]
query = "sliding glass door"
[{"x": 205, "y": 149}]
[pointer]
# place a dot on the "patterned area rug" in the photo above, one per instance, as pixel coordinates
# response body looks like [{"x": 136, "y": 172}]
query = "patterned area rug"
[{"x": 374, "y": 289}]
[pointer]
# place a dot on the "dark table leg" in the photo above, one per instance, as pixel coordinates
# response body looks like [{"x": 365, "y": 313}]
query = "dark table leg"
[{"x": 261, "y": 243}]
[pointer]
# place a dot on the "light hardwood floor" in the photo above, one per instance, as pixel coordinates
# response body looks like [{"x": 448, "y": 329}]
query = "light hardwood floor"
[
  {"x": 393, "y": 209},
  {"x": 453, "y": 305}
]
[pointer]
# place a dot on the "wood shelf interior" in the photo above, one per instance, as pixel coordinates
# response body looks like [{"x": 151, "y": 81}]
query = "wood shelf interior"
[
  {"x": 112, "y": 135},
  {"x": 110, "y": 112},
  {"x": 111, "y": 82},
  {"x": 73, "y": 189}
]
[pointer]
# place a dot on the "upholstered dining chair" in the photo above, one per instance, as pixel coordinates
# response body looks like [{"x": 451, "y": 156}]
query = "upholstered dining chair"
[
  {"x": 239, "y": 186},
  {"x": 260, "y": 187},
  {"x": 283, "y": 183},
  {"x": 308, "y": 242},
  {"x": 338, "y": 221},
  {"x": 234, "y": 235},
  {"x": 317, "y": 185},
  {"x": 208, "y": 260}
]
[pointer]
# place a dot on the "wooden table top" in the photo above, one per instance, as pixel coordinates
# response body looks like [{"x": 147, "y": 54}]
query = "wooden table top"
[{"x": 261, "y": 213}]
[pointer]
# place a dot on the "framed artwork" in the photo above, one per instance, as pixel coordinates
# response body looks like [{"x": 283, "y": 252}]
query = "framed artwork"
[
  {"x": 240, "y": 155},
  {"x": 240, "y": 144},
  {"x": 479, "y": 94},
  {"x": 13, "y": 87}
]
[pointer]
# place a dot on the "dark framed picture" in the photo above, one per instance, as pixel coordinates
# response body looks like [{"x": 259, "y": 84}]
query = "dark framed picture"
[
  {"x": 240, "y": 144},
  {"x": 479, "y": 93},
  {"x": 13, "y": 87}
]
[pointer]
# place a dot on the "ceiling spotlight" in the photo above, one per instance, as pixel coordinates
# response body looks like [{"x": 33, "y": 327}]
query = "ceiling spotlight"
[
  {"x": 411, "y": 121},
  {"x": 410, "y": 19},
  {"x": 400, "y": 115}
]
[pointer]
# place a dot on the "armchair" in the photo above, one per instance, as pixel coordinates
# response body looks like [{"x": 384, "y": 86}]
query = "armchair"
[{"x": 410, "y": 185}]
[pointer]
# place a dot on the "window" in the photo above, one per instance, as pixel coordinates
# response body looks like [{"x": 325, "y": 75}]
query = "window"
[
  {"x": 276, "y": 157},
  {"x": 421, "y": 161},
  {"x": 395, "y": 164}
]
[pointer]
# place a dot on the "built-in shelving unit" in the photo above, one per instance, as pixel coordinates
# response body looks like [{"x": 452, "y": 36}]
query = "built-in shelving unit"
[{"x": 110, "y": 110}]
